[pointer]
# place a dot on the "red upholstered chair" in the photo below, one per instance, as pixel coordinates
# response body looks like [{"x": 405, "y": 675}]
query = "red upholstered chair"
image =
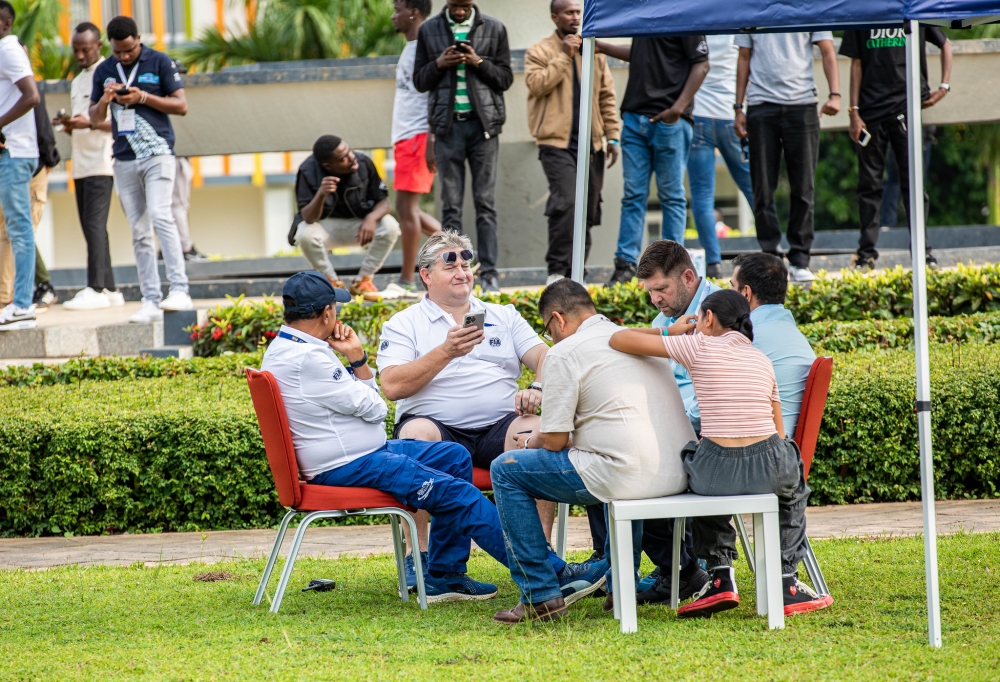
[
  {"x": 481, "y": 478},
  {"x": 806, "y": 435},
  {"x": 316, "y": 501}
]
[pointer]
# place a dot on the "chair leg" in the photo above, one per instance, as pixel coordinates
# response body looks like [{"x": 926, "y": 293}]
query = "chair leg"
[
  {"x": 624, "y": 579},
  {"x": 399, "y": 545},
  {"x": 745, "y": 540},
  {"x": 815, "y": 572},
  {"x": 290, "y": 561},
  {"x": 562, "y": 520},
  {"x": 760, "y": 569},
  {"x": 273, "y": 557},
  {"x": 772, "y": 563},
  {"x": 615, "y": 573},
  {"x": 675, "y": 564},
  {"x": 418, "y": 564}
]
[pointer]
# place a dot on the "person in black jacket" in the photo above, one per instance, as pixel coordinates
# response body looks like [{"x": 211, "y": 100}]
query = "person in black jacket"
[{"x": 463, "y": 61}]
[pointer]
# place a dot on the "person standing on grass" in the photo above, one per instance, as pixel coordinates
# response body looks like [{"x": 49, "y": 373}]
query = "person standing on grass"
[
  {"x": 552, "y": 74},
  {"x": 414, "y": 176},
  {"x": 342, "y": 201},
  {"x": 878, "y": 109},
  {"x": 93, "y": 175},
  {"x": 463, "y": 62},
  {"x": 657, "y": 119},
  {"x": 741, "y": 452},
  {"x": 781, "y": 120},
  {"x": 337, "y": 420},
  {"x": 18, "y": 161},
  {"x": 144, "y": 164}
]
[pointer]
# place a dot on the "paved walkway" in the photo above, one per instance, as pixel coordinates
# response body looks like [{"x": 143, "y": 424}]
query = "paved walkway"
[{"x": 861, "y": 520}]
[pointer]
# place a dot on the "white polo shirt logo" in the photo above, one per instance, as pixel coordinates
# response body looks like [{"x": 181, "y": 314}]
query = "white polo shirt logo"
[
  {"x": 385, "y": 344},
  {"x": 495, "y": 342},
  {"x": 337, "y": 374}
]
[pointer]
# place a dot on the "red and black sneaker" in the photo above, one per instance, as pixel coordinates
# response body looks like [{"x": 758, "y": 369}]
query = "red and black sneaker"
[
  {"x": 800, "y": 598},
  {"x": 718, "y": 594}
]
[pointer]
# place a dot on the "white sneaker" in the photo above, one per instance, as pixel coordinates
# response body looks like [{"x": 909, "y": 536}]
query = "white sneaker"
[
  {"x": 552, "y": 279},
  {"x": 149, "y": 312},
  {"x": 115, "y": 298},
  {"x": 13, "y": 318},
  {"x": 800, "y": 274},
  {"x": 177, "y": 300},
  {"x": 396, "y": 291},
  {"x": 87, "y": 299}
]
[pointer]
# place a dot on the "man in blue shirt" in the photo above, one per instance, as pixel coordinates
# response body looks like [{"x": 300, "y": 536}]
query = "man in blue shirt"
[
  {"x": 142, "y": 89},
  {"x": 763, "y": 281}
]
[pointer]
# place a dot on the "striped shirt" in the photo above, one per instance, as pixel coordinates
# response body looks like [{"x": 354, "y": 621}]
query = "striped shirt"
[
  {"x": 734, "y": 382},
  {"x": 461, "y": 32}
]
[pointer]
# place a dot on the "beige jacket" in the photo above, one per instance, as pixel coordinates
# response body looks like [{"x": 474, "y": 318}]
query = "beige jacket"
[{"x": 548, "y": 74}]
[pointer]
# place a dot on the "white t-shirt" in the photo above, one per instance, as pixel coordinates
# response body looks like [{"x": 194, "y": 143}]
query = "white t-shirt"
[
  {"x": 409, "y": 109},
  {"x": 91, "y": 148},
  {"x": 472, "y": 391},
  {"x": 334, "y": 417},
  {"x": 22, "y": 141},
  {"x": 781, "y": 67},
  {"x": 624, "y": 411},
  {"x": 717, "y": 94}
]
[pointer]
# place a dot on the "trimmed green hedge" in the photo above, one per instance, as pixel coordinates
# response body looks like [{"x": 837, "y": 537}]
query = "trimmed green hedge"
[
  {"x": 843, "y": 337},
  {"x": 184, "y": 453}
]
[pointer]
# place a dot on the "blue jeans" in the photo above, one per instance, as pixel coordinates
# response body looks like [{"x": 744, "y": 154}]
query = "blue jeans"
[
  {"x": 647, "y": 148},
  {"x": 711, "y": 134},
  {"x": 519, "y": 478},
  {"x": 436, "y": 476},
  {"x": 15, "y": 200}
]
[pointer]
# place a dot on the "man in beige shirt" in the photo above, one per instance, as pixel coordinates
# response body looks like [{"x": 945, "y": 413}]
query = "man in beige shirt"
[
  {"x": 628, "y": 426},
  {"x": 552, "y": 69}
]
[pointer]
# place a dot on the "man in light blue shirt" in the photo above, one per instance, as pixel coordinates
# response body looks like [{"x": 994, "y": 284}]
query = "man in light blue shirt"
[{"x": 763, "y": 281}]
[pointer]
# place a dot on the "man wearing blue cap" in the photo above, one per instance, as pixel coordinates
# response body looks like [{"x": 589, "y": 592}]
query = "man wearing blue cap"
[{"x": 337, "y": 419}]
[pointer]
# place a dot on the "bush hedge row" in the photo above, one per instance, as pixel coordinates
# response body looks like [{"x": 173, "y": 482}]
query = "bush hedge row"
[
  {"x": 184, "y": 453},
  {"x": 851, "y": 296}
]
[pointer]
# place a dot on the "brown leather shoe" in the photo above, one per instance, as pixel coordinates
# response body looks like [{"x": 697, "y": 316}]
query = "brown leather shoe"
[
  {"x": 553, "y": 609},
  {"x": 337, "y": 283},
  {"x": 609, "y": 603}
]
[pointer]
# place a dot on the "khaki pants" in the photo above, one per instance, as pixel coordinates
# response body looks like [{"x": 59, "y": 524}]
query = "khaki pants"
[
  {"x": 39, "y": 189},
  {"x": 316, "y": 239}
]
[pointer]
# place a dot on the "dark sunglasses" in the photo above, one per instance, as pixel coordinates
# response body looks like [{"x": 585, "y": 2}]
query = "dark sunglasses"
[{"x": 450, "y": 257}]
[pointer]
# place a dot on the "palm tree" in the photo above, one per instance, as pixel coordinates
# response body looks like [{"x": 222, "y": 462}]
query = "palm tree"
[
  {"x": 285, "y": 30},
  {"x": 37, "y": 26}
]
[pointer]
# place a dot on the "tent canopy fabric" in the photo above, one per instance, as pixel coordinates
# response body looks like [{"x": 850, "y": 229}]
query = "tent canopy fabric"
[{"x": 631, "y": 18}]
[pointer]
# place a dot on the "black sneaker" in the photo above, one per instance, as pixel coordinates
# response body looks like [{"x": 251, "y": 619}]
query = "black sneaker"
[
  {"x": 717, "y": 594},
  {"x": 490, "y": 284},
  {"x": 690, "y": 584},
  {"x": 932, "y": 262},
  {"x": 713, "y": 270},
  {"x": 44, "y": 296},
  {"x": 624, "y": 272},
  {"x": 193, "y": 256},
  {"x": 864, "y": 263},
  {"x": 800, "y": 598}
]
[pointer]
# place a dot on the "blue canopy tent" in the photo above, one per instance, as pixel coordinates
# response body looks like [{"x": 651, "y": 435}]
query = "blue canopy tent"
[{"x": 632, "y": 18}]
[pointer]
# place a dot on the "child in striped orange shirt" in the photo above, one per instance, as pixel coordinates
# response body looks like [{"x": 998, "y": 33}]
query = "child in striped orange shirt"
[{"x": 743, "y": 449}]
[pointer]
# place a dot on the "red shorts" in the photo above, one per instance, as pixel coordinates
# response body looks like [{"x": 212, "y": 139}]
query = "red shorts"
[{"x": 411, "y": 173}]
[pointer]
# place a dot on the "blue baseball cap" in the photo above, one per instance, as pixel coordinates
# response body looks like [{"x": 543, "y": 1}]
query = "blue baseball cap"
[{"x": 309, "y": 291}]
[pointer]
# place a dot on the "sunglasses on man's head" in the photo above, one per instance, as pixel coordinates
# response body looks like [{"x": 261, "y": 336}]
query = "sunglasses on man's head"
[{"x": 450, "y": 257}]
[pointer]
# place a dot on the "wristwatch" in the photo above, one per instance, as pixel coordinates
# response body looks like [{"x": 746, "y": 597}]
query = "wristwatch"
[
  {"x": 738, "y": 107},
  {"x": 945, "y": 87},
  {"x": 360, "y": 363},
  {"x": 537, "y": 385}
]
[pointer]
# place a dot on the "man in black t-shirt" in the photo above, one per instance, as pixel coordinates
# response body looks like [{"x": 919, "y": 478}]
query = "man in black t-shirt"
[
  {"x": 342, "y": 201},
  {"x": 657, "y": 120},
  {"x": 878, "y": 106}
]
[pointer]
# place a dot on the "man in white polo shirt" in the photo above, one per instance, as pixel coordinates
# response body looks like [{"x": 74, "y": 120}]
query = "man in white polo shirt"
[{"x": 454, "y": 382}]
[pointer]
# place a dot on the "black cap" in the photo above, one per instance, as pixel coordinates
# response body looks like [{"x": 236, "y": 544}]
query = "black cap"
[{"x": 309, "y": 291}]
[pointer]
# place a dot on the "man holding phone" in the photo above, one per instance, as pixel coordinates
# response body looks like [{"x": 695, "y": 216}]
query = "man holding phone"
[
  {"x": 141, "y": 88},
  {"x": 878, "y": 118},
  {"x": 463, "y": 61}
]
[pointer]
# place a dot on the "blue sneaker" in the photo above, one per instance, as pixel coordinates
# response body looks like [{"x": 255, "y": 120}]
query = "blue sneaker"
[
  {"x": 410, "y": 572},
  {"x": 647, "y": 583},
  {"x": 457, "y": 587},
  {"x": 576, "y": 581}
]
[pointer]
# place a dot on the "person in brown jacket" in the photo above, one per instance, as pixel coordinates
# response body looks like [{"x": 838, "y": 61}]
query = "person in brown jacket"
[{"x": 552, "y": 69}]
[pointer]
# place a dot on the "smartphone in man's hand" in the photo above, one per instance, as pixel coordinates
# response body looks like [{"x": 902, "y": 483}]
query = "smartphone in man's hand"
[{"x": 474, "y": 320}]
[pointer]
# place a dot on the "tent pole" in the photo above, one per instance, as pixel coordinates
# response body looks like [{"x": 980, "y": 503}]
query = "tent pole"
[
  {"x": 920, "y": 333},
  {"x": 583, "y": 159}
]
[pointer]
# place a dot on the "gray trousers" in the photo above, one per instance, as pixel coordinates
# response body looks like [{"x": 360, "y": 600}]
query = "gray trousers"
[
  {"x": 181, "y": 202},
  {"x": 467, "y": 140},
  {"x": 145, "y": 188},
  {"x": 316, "y": 239},
  {"x": 770, "y": 466}
]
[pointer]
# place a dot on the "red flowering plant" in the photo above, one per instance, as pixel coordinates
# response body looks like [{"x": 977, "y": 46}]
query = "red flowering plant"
[{"x": 240, "y": 326}]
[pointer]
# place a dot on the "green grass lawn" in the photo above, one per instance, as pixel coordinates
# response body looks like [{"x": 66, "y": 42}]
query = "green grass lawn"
[{"x": 113, "y": 623}]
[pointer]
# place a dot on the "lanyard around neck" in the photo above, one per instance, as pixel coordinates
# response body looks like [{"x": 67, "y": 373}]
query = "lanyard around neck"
[{"x": 127, "y": 82}]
